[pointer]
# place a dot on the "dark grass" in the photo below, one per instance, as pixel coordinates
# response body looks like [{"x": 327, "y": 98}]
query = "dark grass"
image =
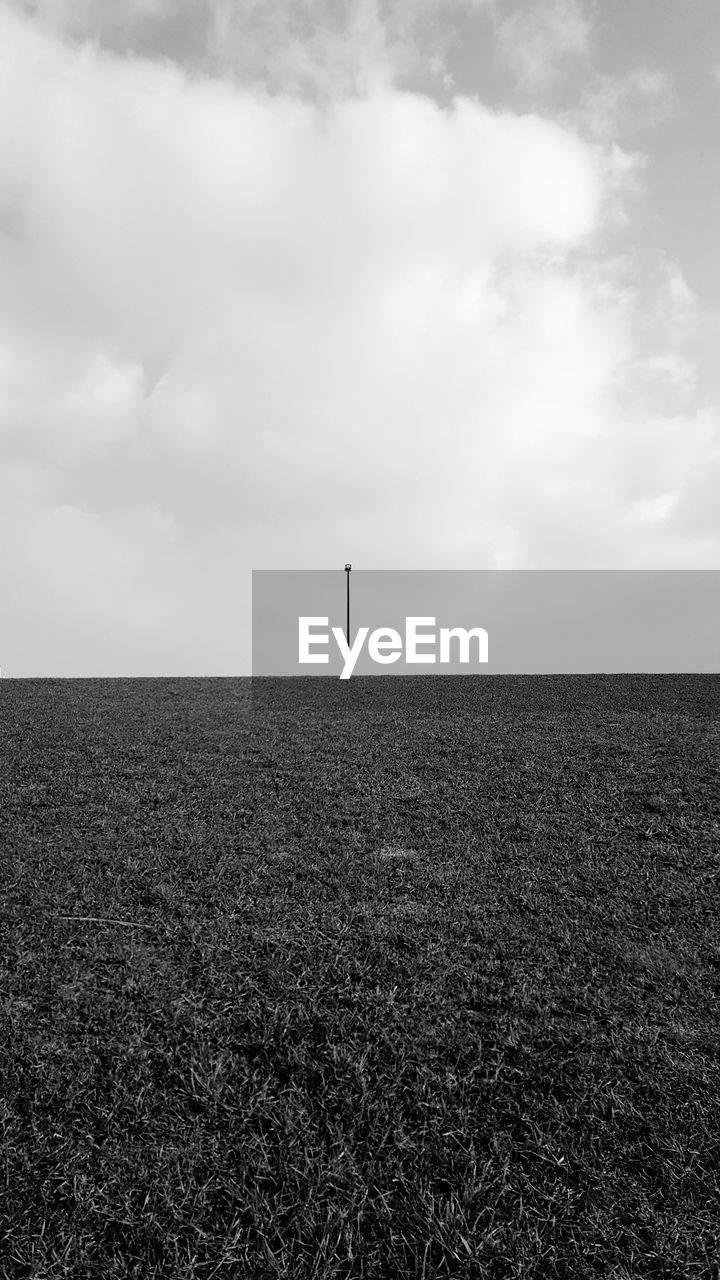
[{"x": 307, "y": 1055}]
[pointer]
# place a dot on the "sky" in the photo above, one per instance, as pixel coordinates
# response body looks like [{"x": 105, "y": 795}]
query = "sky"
[{"x": 415, "y": 284}]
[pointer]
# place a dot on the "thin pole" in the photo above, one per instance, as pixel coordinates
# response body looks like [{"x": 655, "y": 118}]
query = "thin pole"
[{"x": 348, "y": 567}]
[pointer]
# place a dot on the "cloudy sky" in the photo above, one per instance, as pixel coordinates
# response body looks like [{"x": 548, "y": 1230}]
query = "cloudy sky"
[{"x": 285, "y": 283}]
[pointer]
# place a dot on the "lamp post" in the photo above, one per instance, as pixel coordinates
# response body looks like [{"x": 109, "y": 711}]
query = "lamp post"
[{"x": 348, "y": 567}]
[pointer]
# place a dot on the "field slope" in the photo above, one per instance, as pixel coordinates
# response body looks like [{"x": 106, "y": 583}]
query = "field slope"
[{"x": 392, "y": 977}]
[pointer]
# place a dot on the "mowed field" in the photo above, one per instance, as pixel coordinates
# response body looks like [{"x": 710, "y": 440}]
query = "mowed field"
[{"x": 394, "y": 977}]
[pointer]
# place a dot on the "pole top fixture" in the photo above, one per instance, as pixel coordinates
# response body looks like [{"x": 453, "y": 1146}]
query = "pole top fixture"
[{"x": 348, "y": 566}]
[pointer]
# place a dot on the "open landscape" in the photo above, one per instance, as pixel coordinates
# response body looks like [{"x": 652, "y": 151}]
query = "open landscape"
[{"x": 404, "y": 977}]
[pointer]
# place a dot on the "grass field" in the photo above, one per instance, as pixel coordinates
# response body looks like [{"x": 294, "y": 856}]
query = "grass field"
[{"x": 389, "y": 977}]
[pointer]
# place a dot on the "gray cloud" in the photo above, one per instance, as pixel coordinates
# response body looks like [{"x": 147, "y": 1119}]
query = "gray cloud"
[{"x": 537, "y": 41}]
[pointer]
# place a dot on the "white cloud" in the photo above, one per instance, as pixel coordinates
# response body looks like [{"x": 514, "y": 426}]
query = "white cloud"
[
  {"x": 240, "y": 330},
  {"x": 68, "y": 405},
  {"x": 652, "y": 510}
]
